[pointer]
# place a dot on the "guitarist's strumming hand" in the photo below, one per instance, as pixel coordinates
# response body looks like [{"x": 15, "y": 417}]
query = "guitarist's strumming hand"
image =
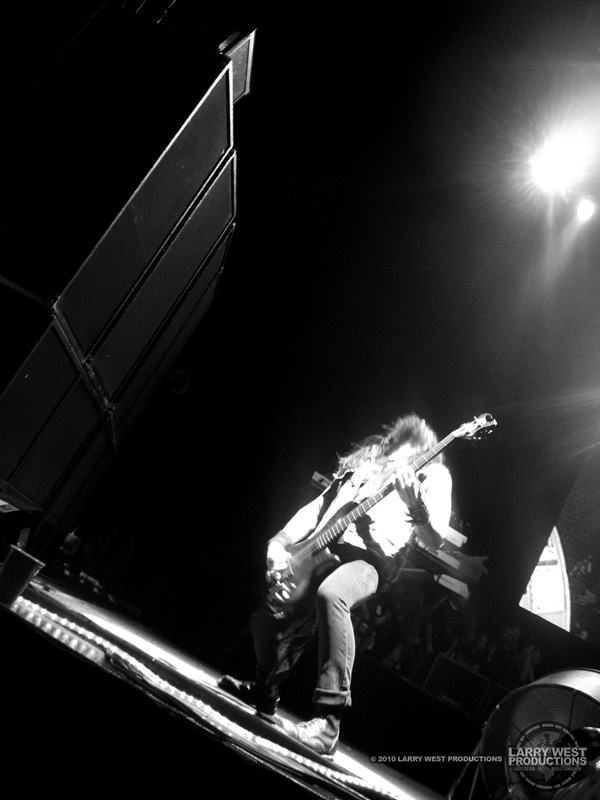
[{"x": 278, "y": 559}]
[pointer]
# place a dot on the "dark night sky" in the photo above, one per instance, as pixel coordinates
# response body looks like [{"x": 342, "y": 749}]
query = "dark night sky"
[{"x": 386, "y": 259}]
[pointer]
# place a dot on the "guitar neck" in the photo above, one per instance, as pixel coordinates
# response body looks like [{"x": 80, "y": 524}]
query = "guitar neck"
[{"x": 333, "y": 532}]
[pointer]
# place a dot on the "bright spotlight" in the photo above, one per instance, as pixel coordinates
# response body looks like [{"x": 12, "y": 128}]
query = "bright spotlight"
[
  {"x": 585, "y": 209},
  {"x": 560, "y": 163}
]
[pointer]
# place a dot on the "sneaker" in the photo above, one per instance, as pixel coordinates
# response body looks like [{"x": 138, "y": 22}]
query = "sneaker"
[
  {"x": 248, "y": 692},
  {"x": 321, "y": 734}
]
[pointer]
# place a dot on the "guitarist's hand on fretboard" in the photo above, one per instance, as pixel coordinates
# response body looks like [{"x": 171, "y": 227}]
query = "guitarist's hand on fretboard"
[{"x": 408, "y": 487}]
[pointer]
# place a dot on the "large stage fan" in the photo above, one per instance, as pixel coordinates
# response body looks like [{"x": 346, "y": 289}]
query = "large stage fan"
[
  {"x": 532, "y": 745},
  {"x": 538, "y": 740}
]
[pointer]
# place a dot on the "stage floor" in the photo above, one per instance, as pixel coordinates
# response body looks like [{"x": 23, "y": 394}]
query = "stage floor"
[{"x": 188, "y": 689}]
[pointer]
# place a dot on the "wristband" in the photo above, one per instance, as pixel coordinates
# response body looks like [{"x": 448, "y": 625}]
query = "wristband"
[{"x": 419, "y": 515}]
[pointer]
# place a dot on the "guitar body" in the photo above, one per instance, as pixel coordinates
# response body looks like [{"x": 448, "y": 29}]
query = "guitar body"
[{"x": 294, "y": 590}]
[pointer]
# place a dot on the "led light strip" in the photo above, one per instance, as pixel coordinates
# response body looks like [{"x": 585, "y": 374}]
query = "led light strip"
[{"x": 105, "y": 654}]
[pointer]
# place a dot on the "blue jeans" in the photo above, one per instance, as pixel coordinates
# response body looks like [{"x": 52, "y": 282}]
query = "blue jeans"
[{"x": 279, "y": 643}]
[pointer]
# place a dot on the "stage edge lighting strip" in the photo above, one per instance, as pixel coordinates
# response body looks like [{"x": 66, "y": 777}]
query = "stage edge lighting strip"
[{"x": 96, "y": 648}]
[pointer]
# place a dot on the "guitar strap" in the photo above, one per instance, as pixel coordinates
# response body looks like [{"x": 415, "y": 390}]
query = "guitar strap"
[
  {"x": 373, "y": 554},
  {"x": 329, "y": 496}
]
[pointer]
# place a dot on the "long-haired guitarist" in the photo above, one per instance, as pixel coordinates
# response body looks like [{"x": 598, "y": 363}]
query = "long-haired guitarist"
[{"x": 332, "y": 556}]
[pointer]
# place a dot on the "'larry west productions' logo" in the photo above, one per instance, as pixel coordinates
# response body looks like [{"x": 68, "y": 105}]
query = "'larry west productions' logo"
[{"x": 546, "y": 756}]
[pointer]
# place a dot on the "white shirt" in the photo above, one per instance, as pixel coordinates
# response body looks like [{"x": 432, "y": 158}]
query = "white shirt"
[{"x": 391, "y": 527}]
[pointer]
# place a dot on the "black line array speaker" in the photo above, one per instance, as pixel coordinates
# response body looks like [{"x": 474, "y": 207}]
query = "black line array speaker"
[
  {"x": 112, "y": 332},
  {"x": 155, "y": 211},
  {"x": 145, "y": 226}
]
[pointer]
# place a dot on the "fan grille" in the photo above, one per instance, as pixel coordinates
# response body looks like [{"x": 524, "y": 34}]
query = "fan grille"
[{"x": 568, "y": 700}]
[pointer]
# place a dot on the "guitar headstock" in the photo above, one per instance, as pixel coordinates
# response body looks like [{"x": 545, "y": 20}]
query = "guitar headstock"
[{"x": 481, "y": 426}]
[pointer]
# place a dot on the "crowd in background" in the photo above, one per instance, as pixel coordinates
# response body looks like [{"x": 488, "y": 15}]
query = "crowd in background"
[{"x": 405, "y": 632}]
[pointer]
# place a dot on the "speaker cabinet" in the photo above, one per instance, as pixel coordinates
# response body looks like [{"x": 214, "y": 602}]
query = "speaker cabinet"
[
  {"x": 175, "y": 189},
  {"x": 182, "y": 320},
  {"x": 48, "y": 413},
  {"x": 141, "y": 320}
]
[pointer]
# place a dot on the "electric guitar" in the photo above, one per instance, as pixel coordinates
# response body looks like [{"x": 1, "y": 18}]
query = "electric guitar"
[{"x": 310, "y": 559}]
